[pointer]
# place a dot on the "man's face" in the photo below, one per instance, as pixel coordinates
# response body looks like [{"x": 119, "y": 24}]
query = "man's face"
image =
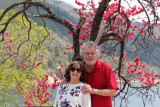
[{"x": 90, "y": 56}]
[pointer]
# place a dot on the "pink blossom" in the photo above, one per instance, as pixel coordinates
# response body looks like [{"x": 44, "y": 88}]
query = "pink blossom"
[
  {"x": 66, "y": 40},
  {"x": 71, "y": 47},
  {"x": 135, "y": 26},
  {"x": 150, "y": 35},
  {"x": 136, "y": 60},
  {"x": 29, "y": 103},
  {"x": 144, "y": 22},
  {"x": 9, "y": 47},
  {"x": 128, "y": 71},
  {"x": 82, "y": 13},
  {"x": 22, "y": 96},
  {"x": 142, "y": 79},
  {"x": 129, "y": 80},
  {"x": 156, "y": 75},
  {"x": 57, "y": 73},
  {"x": 32, "y": 92},
  {"x": 53, "y": 86},
  {"x": 87, "y": 15},
  {"x": 42, "y": 55},
  {"x": 25, "y": 102},
  {"x": 115, "y": 60},
  {"x": 39, "y": 63},
  {"x": 158, "y": 5},
  {"x": 29, "y": 96},
  {"x": 67, "y": 48},
  {"x": 153, "y": 79},
  {"x": 69, "y": 22},
  {"x": 15, "y": 56},
  {"x": 26, "y": 92},
  {"x": 132, "y": 71},
  {"x": 62, "y": 65},
  {"x": 47, "y": 99},
  {"x": 70, "y": 32},
  {"x": 91, "y": 13},
  {"x": 139, "y": 73},
  {"x": 2, "y": 38},
  {"x": 4, "y": 47},
  {"x": 104, "y": 47},
  {"x": 6, "y": 34},
  {"x": 20, "y": 87},
  {"x": 46, "y": 75},
  {"x": 130, "y": 37},
  {"x": 57, "y": 83},
  {"x": 143, "y": 65},
  {"x": 83, "y": 38},
  {"x": 74, "y": 9},
  {"x": 11, "y": 53},
  {"x": 23, "y": 64},
  {"x": 38, "y": 91},
  {"x": 65, "y": 53},
  {"x": 55, "y": 79},
  {"x": 49, "y": 85},
  {"x": 10, "y": 40}
]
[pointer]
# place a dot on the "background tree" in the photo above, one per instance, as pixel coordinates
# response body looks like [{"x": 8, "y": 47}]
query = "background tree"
[
  {"x": 21, "y": 56},
  {"x": 122, "y": 36}
]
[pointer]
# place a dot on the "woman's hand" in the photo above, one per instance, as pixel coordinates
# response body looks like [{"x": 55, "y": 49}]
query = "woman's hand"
[{"x": 63, "y": 81}]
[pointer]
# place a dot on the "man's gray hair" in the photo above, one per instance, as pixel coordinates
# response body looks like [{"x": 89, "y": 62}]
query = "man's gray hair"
[{"x": 89, "y": 44}]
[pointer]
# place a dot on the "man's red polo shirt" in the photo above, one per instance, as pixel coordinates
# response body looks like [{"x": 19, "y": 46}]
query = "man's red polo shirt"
[{"x": 101, "y": 77}]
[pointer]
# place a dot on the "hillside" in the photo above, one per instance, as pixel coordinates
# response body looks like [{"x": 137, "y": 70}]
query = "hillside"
[
  {"x": 5, "y": 3},
  {"x": 57, "y": 45},
  {"x": 63, "y": 10}
]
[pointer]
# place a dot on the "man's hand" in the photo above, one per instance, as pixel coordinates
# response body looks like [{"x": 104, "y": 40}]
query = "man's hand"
[{"x": 87, "y": 89}]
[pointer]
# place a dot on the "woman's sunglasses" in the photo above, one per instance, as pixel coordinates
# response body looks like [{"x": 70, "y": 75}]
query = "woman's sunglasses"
[{"x": 78, "y": 70}]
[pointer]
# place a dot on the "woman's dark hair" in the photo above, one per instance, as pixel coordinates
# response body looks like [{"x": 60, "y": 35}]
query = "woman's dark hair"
[{"x": 67, "y": 71}]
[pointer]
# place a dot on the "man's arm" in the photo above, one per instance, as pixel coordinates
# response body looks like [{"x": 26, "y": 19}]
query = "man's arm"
[{"x": 103, "y": 92}]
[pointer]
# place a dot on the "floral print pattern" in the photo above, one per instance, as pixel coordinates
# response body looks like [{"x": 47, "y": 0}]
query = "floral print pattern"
[
  {"x": 65, "y": 103},
  {"x": 63, "y": 90},
  {"x": 69, "y": 95},
  {"x": 75, "y": 91}
]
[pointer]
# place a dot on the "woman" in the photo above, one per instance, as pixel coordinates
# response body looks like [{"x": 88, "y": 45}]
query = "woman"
[{"x": 69, "y": 94}]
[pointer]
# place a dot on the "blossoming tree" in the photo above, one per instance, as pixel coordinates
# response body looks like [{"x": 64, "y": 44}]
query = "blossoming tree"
[{"x": 129, "y": 27}]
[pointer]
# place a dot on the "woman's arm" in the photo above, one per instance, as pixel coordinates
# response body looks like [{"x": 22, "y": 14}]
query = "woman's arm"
[
  {"x": 86, "y": 100},
  {"x": 57, "y": 96}
]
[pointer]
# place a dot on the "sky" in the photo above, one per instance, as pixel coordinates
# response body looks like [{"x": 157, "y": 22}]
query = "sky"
[
  {"x": 72, "y": 2},
  {"x": 125, "y": 4}
]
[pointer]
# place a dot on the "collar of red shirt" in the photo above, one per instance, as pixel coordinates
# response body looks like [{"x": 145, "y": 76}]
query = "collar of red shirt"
[{"x": 97, "y": 65}]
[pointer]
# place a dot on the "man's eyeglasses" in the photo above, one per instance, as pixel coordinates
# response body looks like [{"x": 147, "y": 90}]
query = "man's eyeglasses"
[
  {"x": 78, "y": 70},
  {"x": 90, "y": 54}
]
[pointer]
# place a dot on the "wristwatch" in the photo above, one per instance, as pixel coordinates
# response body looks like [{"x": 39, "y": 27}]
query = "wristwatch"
[{"x": 95, "y": 91}]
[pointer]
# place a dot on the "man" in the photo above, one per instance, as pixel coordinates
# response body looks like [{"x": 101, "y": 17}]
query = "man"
[{"x": 101, "y": 81}]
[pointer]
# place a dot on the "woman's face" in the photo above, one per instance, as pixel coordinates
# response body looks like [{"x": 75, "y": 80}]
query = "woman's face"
[{"x": 75, "y": 72}]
